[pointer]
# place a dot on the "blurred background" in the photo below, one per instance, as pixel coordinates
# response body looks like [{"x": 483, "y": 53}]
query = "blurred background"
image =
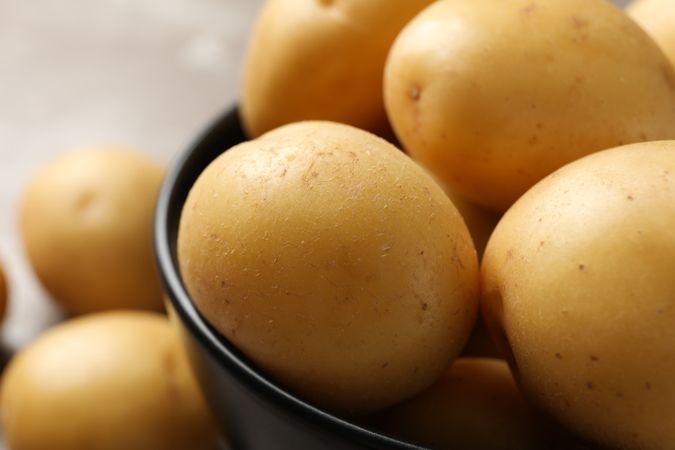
[{"x": 80, "y": 73}]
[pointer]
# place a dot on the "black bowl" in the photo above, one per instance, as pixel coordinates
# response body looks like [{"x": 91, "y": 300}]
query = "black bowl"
[{"x": 253, "y": 411}]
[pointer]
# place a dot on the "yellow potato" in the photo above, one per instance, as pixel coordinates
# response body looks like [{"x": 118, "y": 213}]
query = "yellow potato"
[
  {"x": 321, "y": 59},
  {"x": 86, "y": 219},
  {"x": 492, "y": 96},
  {"x": 474, "y": 406},
  {"x": 109, "y": 381},
  {"x": 333, "y": 261},
  {"x": 657, "y": 17},
  {"x": 578, "y": 283},
  {"x": 480, "y": 221}
]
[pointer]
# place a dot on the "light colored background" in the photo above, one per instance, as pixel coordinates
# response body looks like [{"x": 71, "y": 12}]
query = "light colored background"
[{"x": 78, "y": 73}]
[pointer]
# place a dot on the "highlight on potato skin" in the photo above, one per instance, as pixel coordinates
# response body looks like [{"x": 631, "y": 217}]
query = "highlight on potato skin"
[
  {"x": 657, "y": 18},
  {"x": 334, "y": 262},
  {"x": 491, "y": 113},
  {"x": 320, "y": 60},
  {"x": 577, "y": 288}
]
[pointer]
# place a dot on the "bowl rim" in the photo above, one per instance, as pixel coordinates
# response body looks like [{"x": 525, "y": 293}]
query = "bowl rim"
[{"x": 174, "y": 190}]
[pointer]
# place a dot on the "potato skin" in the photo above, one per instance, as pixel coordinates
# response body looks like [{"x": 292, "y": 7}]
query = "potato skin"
[
  {"x": 507, "y": 92},
  {"x": 474, "y": 406},
  {"x": 107, "y": 381},
  {"x": 657, "y": 18},
  {"x": 321, "y": 60},
  {"x": 86, "y": 222},
  {"x": 479, "y": 220},
  {"x": 332, "y": 261},
  {"x": 578, "y": 289}
]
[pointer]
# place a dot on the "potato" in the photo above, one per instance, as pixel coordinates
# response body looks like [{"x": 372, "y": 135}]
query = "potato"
[
  {"x": 492, "y": 96},
  {"x": 657, "y": 17},
  {"x": 321, "y": 59},
  {"x": 86, "y": 219},
  {"x": 333, "y": 261},
  {"x": 578, "y": 286},
  {"x": 108, "y": 381},
  {"x": 474, "y": 406},
  {"x": 480, "y": 221}
]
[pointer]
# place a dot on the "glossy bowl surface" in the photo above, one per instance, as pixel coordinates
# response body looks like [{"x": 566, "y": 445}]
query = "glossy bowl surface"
[{"x": 253, "y": 411}]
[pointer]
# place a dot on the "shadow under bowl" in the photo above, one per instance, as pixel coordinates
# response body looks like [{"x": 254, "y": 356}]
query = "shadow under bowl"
[{"x": 251, "y": 409}]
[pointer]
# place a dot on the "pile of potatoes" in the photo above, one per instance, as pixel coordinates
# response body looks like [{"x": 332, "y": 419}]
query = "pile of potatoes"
[
  {"x": 113, "y": 375},
  {"x": 343, "y": 267},
  {"x": 418, "y": 172}
]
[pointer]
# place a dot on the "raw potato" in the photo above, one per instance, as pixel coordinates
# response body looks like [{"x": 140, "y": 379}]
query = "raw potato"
[
  {"x": 321, "y": 60},
  {"x": 333, "y": 261},
  {"x": 480, "y": 221},
  {"x": 657, "y": 17},
  {"x": 578, "y": 284},
  {"x": 474, "y": 406},
  {"x": 86, "y": 220},
  {"x": 109, "y": 381},
  {"x": 492, "y": 96}
]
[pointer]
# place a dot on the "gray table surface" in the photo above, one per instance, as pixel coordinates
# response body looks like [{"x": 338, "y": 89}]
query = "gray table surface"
[{"x": 79, "y": 73}]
